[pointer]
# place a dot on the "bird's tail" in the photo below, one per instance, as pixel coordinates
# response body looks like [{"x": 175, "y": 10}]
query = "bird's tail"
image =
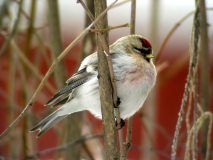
[{"x": 52, "y": 119}]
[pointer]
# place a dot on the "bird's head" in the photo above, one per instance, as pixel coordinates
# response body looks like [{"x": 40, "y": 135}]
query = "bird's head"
[{"x": 136, "y": 46}]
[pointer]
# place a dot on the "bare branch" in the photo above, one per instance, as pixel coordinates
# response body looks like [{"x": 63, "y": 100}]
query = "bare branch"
[
  {"x": 4, "y": 47},
  {"x": 192, "y": 66},
  {"x": 172, "y": 31},
  {"x": 106, "y": 88},
  {"x": 120, "y": 132},
  {"x": 130, "y": 120},
  {"x": 110, "y": 28},
  {"x": 30, "y": 65},
  {"x": 49, "y": 72},
  {"x": 62, "y": 148},
  {"x": 205, "y": 75}
]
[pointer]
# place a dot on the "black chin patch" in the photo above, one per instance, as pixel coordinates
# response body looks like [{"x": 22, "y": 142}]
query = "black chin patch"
[{"x": 147, "y": 59}]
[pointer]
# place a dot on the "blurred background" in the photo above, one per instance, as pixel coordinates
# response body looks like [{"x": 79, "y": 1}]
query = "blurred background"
[{"x": 29, "y": 55}]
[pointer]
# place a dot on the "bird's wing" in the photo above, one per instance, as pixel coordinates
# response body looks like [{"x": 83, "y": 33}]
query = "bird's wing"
[
  {"x": 88, "y": 68},
  {"x": 76, "y": 80}
]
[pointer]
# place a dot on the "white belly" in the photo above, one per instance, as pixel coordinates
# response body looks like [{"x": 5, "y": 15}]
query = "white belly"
[{"x": 132, "y": 84}]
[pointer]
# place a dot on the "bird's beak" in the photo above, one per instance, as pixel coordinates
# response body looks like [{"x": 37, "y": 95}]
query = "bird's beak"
[{"x": 149, "y": 56}]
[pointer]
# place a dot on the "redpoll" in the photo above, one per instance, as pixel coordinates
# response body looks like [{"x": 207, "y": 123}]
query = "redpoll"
[{"x": 134, "y": 73}]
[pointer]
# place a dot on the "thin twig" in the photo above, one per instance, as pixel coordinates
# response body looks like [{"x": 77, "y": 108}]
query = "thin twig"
[
  {"x": 41, "y": 42},
  {"x": 87, "y": 150},
  {"x": 13, "y": 31},
  {"x": 11, "y": 97},
  {"x": 31, "y": 66},
  {"x": 195, "y": 51},
  {"x": 89, "y": 41},
  {"x": 110, "y": 28},
  {"x": 49, "y": 72},
  {"x": 30, "y": 28},
  {"x": 74, "y": 120},
  {"x": 204, "y": 75},
  {"x": 127, "y": 144},
  {"x": 192, "y": 66},
  {"x": 120, "y": 132},
  {"x": 62, "y": 148},
  {"x": 25, "y": 98},
  {"x": 199, "y": 124},
  {"x": 151, "y": 149},
  {"x": 88, "y": 47},
  {"x": 118, "y": 4},
  {"x": 209, "y": 135},
  {"x": 172, "y": 31}
]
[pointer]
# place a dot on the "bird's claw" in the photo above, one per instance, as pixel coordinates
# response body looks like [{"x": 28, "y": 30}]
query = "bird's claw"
[
  {"x": 118, "y": 103},
  {"x": 122, "y": 124}
]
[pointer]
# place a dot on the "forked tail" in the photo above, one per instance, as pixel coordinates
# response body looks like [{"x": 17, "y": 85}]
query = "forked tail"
[{"x": 49, "y": 121}]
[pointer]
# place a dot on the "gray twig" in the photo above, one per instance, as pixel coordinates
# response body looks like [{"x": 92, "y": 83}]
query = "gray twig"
[
  {"x": 192, "y": 66},
  {"x": 130, "y": 120},
  {"x": 62, "y": 148},
  {"x": 49, "y": 72},
  {"x": 13, "y": 30},
  {"x": 195, "y": 52}
]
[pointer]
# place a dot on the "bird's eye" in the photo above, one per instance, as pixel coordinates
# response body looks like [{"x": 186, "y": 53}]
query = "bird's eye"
[
  {"x": 144, "y": 51},
  {"x": 137, "y": 49}
]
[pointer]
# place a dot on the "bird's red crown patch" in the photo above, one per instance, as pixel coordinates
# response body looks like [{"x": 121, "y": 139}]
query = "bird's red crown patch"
[{"x": 146, "y": 43}]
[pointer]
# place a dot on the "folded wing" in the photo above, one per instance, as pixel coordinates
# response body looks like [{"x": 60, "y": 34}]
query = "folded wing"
[{"x": 76, "y": 80}]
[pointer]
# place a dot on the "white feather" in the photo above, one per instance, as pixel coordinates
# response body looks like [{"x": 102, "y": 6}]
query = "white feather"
[
  {"x": 132, "y": 84},
  {"x": 134, "y": 77}
]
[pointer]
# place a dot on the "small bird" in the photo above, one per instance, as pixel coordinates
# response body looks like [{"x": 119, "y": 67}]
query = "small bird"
[{"x": 135, "y": 76}]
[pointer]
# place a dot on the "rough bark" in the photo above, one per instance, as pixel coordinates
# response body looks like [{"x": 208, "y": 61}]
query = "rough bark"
[{"x": 105, "y": 88}]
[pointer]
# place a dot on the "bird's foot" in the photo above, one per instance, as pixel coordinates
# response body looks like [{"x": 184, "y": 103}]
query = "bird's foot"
[
  {"x": 118, "y": 103},
  {"x": 122, "y": 124}
]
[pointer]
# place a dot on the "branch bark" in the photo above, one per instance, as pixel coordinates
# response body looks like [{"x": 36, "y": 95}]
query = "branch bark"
[
  {"x": 72, "y": 125},
  {"x": 105, "y": 88},
  {"x": 130, "y": 120},
  {"x": 205, "y": 75},
  {"x": 49, "y": 72}
]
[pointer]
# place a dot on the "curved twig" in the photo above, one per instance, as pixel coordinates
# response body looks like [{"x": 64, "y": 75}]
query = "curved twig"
[
  {"x": 171, "y": 32},
  {"x": 49, "y": 72},
  {"x": 13, "y": 31},
  {"x": 192, "y": 66}
]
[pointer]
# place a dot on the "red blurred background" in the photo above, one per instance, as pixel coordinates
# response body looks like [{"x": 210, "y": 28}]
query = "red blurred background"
[{"x": 154, "y": 124}]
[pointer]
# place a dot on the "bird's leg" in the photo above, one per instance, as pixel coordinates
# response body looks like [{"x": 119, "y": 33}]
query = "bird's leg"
[
  {"x": 118, "y": 103},
  {"x": 122, "y": 124}
]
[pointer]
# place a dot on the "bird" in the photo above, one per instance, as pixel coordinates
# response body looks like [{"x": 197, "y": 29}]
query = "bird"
[{"x": 134, "y": 73}]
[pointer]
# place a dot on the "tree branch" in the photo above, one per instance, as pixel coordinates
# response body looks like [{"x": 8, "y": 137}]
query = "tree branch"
[
  {"x": 4, "y": 47},
  {"x": 49, "y": 72},
  {"x": 205, "y": 75},
  {"x": 130, "y": 120},
  {"x": 192, "y": 67},
  {"x": 106, "y": 86}
]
